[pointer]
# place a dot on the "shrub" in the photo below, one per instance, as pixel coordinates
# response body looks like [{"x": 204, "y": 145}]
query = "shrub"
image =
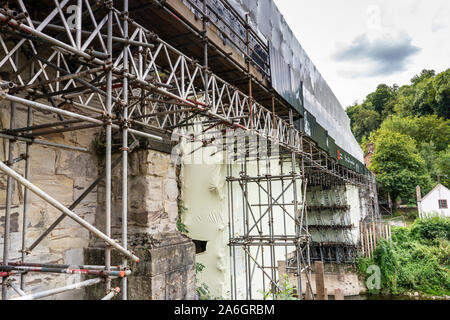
[
  {"x": 417, "y": 259},
  {"x": 433, "y": 228}
]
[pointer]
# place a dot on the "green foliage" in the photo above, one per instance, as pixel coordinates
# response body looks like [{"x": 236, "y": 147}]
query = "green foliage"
[
  {"x": 364, "y": 121},
  {"x": 417, "y": 259},
  {"x": 432, "y": 229},
  {"x": 202, "y": 289},
  {"x": 398, "y": 165},
  {"x": 441, "y": 85},
  {"x": 420, "y": 111},
  {"x": 427, "y": 129},
  {"x": 287, "y": 292},
  {"x": 443, "y": 167},
  {"x": 180, "y": 225}
]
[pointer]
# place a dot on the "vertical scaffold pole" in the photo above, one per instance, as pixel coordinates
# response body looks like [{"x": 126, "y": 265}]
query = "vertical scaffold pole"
[
  {"x": 108, "y": 147},
  {"x": 306, "y": 222},
  {"x": 298, "y": 220},
  {"x": 205, "y": 53},
  {"x": 25, "y": 192},
  {"x": 9, "y": 192},
  {"x": 125, "y": 150},
  {"x": 250, "y": 93}
]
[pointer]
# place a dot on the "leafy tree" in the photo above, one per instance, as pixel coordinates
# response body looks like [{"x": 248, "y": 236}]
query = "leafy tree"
[
  {"x": 404, "y": 105},
  {"x": 424, "y": 75},
  {"x": 443, "y": 167},
  {"x": 428, "y": 129},
  {"x": 398, "y": 165},
  {"x": 441, "y": 85},
  {"x": 382, "y": 100},
  {"x": 364, "y": 121},
  {"x": 429, "y": 154},
  {"x": 419, "y": 111},
  {"x": 425, "y": 98}
]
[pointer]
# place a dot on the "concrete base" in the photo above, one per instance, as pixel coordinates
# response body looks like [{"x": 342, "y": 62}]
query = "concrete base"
[
  {"x": 166, "y": 270},
  {"x": 335, "y": 276},
  {"x": 348, "y": 282}
]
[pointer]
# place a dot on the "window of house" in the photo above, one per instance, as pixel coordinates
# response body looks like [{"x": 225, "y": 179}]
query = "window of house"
[{"x": 443, "y": 204}]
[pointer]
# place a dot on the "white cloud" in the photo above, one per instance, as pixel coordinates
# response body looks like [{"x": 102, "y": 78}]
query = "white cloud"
[
  {"x": 388, "y": 30},
  {"x": 384, "y": 55}
]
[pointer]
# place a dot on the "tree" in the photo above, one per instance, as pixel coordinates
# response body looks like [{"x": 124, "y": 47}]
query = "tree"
[
  {"x": 443, "y": 167},
  {"x": 382, "y": 100},
  {"x": 425, "y": 98},
  {"x": 398, "y": 165},
  {"x": 441, "y": 85},
  {"x": 424, "y": 75},
  {"x": 363, "y": 121},
  {"x": 427, "y": 129},
  {"x": 404, "y": 105},
  {"x": 428, "y": 152}
]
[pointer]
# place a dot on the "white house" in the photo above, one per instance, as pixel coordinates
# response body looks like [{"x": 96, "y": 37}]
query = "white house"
[{"x": 435, "y": 202}]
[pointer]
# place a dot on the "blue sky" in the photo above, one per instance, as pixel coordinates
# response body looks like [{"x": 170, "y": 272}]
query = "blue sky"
[{"x": 358, "y": 44}]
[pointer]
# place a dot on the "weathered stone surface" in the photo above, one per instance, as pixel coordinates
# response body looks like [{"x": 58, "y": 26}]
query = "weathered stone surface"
[
  {"x": 14, "y": 226},
  {"x": 170, "y": 190},
  {"x": 166, "y": 269},
  {"x": 63, "y": 174}
]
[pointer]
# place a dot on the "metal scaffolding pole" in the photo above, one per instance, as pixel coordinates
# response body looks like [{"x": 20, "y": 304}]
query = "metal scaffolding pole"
[
  {"x": 125, "y": 150},
  {"x": 108, "y": 148},
  {"x": 25, "y": 192},
  {"x": 9, "y": 195},
  {"x": 52, "y": 292},
  {"x": 298, "y": 220}
]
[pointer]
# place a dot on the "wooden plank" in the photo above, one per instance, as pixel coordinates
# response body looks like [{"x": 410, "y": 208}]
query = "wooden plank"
[
  {"x": 366, "y": 234},
  {"x": 281, "y": 269},
  {"x": 308, "y": 295},
  {"x": 338, "y": 294},
  {"x": 374, "y": 237},
  {"x": 320, "y": 280},
  {"x": 361, "y": 235}
]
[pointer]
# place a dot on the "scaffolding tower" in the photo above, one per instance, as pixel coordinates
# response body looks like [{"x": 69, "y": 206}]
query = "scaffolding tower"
[{"x": 94, "y": 66}]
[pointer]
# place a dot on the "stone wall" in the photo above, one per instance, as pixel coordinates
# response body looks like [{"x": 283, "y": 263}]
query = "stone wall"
[
  {"x": 152, "y": 193},
  {"x": 167, "y": 267},
  {"x": 63, "y": 174},
  {"x": 166, "y": 270}
]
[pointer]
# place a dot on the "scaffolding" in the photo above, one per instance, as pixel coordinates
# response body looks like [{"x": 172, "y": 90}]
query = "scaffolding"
[{"x": 99, "y": 68}]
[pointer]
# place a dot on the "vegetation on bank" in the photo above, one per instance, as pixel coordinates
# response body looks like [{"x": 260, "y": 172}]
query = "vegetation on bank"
[
  {"x": 409, "y": 128},
  {"x": 417, "y": 259}
]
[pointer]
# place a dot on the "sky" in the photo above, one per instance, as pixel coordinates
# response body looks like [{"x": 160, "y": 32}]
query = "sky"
[{"x": 358, "y": 44}]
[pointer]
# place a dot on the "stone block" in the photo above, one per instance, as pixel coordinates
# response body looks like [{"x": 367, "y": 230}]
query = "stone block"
[
  {"x": 154, "y": 188},
  {"x": 166, "y": 269},
  {"x": 170, "y": 190}
]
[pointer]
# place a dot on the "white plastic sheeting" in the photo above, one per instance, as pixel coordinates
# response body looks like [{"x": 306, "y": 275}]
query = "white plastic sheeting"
[{"x": 319, "y": 100}]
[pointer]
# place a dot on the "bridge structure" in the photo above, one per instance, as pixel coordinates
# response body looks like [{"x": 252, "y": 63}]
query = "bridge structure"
[{"x": 143, "y": 71}]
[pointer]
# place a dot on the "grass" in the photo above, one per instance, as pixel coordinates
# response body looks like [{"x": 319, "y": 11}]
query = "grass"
[{"x": 417, "y": 259}]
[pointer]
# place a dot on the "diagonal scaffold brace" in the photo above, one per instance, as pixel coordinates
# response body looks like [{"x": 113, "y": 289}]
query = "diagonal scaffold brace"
[{"x": 58, "y": 205}]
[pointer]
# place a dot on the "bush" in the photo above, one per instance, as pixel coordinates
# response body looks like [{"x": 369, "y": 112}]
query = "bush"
[
  {"x": 433, "y": 228},
  {"x": 417, "y": 259}
]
